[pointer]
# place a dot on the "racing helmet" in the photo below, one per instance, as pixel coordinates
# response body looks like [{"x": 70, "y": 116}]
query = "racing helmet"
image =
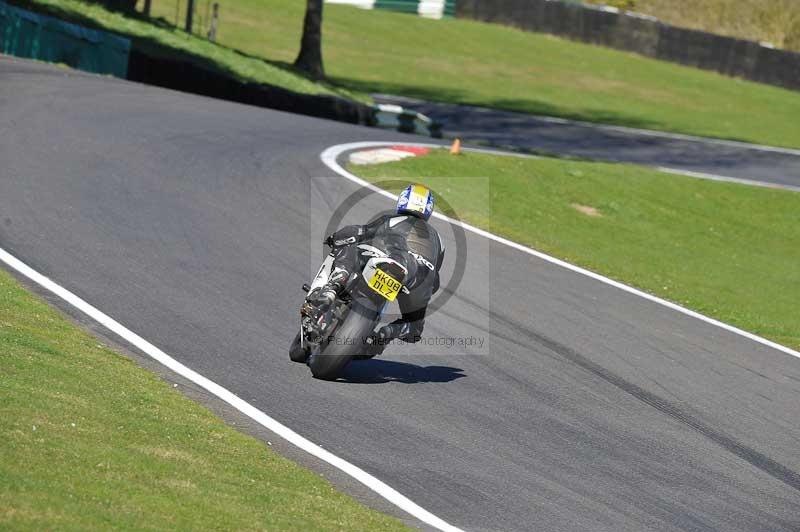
[{"x": 416, "y": 200}]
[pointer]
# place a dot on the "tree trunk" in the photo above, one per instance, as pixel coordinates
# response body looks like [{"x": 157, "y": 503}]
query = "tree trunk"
[
  {"x": 189, "y": 15},
  {"x": 309, "y": 60}
]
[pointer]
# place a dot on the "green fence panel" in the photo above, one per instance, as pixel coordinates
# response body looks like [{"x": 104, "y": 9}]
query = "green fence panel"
[
  {"x": 27, "y": 34},
  {"x": 412, "y": 6},
  {"x": 404, "y": 6}
]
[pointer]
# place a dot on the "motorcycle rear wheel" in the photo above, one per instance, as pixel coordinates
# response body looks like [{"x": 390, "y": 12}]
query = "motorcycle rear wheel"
[{"x": 347, "y": 341}]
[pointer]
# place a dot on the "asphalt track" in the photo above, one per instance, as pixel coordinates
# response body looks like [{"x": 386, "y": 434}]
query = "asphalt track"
[
  {"x": 507, "y": 129},
  {"x": 587, "y": 408}
]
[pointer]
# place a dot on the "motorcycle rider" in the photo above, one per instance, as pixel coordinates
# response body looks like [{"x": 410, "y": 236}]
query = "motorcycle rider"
[{"x": 406, "y": 237}]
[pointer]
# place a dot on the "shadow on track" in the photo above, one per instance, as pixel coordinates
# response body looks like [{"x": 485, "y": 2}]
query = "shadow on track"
[{"x": 383, "y": 371}]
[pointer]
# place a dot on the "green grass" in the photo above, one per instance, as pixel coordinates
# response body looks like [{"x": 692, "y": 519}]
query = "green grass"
[
  {"x": 469, "y": 62},
  {"x": 90, "y": 441},
  {"x": 727, "y": 250},
  {"x": 164, "y": 40}
]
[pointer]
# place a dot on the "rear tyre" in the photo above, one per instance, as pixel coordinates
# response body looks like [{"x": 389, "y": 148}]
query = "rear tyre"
[
  {"x": 298, "y": 353},
  {"x": 348, "y": 341}
]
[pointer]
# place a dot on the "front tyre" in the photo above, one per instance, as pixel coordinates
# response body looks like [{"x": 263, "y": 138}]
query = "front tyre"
[
  {"x": 297, "y": 353},
  {"x": 348, "y": 341}
]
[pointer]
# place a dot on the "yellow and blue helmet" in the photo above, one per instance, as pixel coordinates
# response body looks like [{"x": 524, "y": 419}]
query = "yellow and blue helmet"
[{"x": 416, "y": 200}]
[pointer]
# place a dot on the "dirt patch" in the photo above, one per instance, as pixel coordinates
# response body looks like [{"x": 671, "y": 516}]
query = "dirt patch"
[
  {"x": 585, "y": 209},
  {"x": 169, "y": 454}
]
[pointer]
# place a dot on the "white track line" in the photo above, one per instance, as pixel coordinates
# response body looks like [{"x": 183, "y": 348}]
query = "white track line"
[
  {"x": 693, "y": 138},
  {"x": 714, "y": 177},
  {"x": 330, "y": 158},
  {"x": 379, "y": 487}
]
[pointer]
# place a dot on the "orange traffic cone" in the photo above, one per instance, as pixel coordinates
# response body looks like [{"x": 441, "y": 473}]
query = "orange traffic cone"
[{"x": 455, "y": 149}]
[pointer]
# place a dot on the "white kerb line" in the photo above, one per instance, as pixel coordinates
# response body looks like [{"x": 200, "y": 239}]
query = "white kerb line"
[{"x": 378, "y": 486}]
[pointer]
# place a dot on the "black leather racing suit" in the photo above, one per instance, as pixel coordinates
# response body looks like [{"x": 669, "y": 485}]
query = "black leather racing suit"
[{"x": 409, "y": 240}]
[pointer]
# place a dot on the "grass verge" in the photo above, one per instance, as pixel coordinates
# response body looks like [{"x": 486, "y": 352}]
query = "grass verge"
[
  {"x": 729, "y": 251},
  {"x": 483, "y": 64},
  {"x": 91, "y": 441}
]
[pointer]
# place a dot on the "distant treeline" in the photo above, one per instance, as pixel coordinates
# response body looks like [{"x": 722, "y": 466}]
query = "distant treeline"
[{"x": 773, "y": 21}]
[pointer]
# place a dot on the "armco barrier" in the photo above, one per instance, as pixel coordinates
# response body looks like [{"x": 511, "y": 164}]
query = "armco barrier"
[
  {"x": 405, "y": 120},
  {"x": 644, "y": 35},
  {"x": 188, "y": 77},
  {"x": 27, "y": 34}
]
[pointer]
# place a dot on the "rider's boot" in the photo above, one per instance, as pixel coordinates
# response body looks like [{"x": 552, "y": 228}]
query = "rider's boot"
[
  {"x": 376, "y": 344},
  {"x": 319, "y": 301}
]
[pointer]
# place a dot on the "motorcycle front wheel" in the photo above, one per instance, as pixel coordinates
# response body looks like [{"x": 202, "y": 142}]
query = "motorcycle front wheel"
[{"x": 296, "y": 352}]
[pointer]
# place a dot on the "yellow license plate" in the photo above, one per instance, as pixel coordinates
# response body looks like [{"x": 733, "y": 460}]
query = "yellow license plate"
[{"x": 385, "y": 285}]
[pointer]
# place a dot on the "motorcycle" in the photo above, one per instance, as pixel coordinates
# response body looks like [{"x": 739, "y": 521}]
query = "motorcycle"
[{"x": 328, "y": 342}]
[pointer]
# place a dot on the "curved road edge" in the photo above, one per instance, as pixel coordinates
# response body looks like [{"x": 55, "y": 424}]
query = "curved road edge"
[
  {"x": 703, "y": 156},
  {"x": 330, "y": 157},
  {"x": 371, "y": 482}
]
